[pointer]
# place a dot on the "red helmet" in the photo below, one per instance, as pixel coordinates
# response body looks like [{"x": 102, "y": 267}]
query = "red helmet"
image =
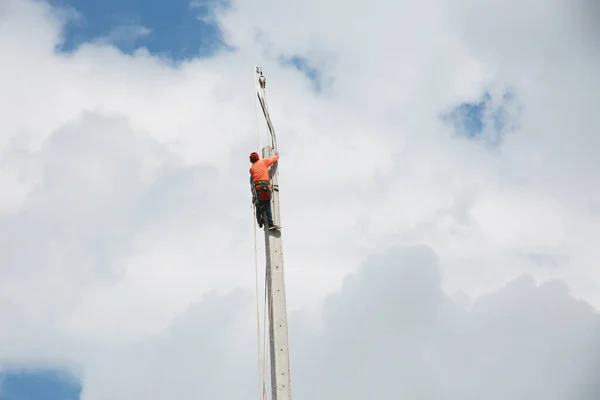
[{"x": 254, "y": 157}]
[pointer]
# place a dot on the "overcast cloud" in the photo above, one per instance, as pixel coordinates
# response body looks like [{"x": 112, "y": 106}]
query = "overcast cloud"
[{"x": 125, "y": 202}]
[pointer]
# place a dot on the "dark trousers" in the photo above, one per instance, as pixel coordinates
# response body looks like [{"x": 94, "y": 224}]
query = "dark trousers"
[{"x": 264, "y": 206}]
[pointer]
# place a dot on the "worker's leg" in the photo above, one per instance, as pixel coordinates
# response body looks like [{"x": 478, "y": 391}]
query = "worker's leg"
[
  {"x": 270, "y": 223},
  {"x": 265, "y": 206}
]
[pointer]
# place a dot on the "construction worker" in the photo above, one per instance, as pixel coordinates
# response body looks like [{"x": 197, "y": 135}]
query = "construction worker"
[{"x": 259, "y": 179}]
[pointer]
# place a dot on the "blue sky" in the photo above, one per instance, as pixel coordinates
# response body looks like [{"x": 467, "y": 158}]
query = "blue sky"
[
  {"x": 178, "y": 29},
  {"x": 39, "y": 385},
  {"x": 471, "y": 120},
  {"x": 303, "y": 65}
]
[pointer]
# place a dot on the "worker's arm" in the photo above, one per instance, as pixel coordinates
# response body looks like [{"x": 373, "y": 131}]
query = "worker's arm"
[{"x": 273, "y": 160}]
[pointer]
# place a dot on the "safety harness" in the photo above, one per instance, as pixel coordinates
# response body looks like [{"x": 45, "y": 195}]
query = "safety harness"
[{"x": 263, "y": 190}]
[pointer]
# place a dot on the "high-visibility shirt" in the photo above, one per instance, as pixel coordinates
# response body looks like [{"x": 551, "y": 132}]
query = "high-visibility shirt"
[{"x": 260, "y": 169}]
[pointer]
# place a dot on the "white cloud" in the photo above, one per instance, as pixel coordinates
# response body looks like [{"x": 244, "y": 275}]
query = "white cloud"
[
  {"x": 124, "y": 178},
  {"x": 390, "y": 330},
  {"x": 127, "y": 34}
]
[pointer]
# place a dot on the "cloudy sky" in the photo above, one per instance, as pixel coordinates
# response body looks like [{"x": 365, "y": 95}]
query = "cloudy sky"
[{"x": 440, "y": 188}]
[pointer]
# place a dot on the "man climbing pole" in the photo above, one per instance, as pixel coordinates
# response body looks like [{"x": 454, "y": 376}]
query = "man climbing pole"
[{"x": 259, "y": 179}]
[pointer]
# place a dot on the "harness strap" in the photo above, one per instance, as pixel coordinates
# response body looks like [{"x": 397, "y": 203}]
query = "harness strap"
[{"x": 258, "y": 184}]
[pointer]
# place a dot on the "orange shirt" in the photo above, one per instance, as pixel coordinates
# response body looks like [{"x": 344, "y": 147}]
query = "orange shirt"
[{"x": 260, "y": 169}]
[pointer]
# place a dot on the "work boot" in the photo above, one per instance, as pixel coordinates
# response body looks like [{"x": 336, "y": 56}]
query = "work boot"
[{"x": 274, "y": 227}]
